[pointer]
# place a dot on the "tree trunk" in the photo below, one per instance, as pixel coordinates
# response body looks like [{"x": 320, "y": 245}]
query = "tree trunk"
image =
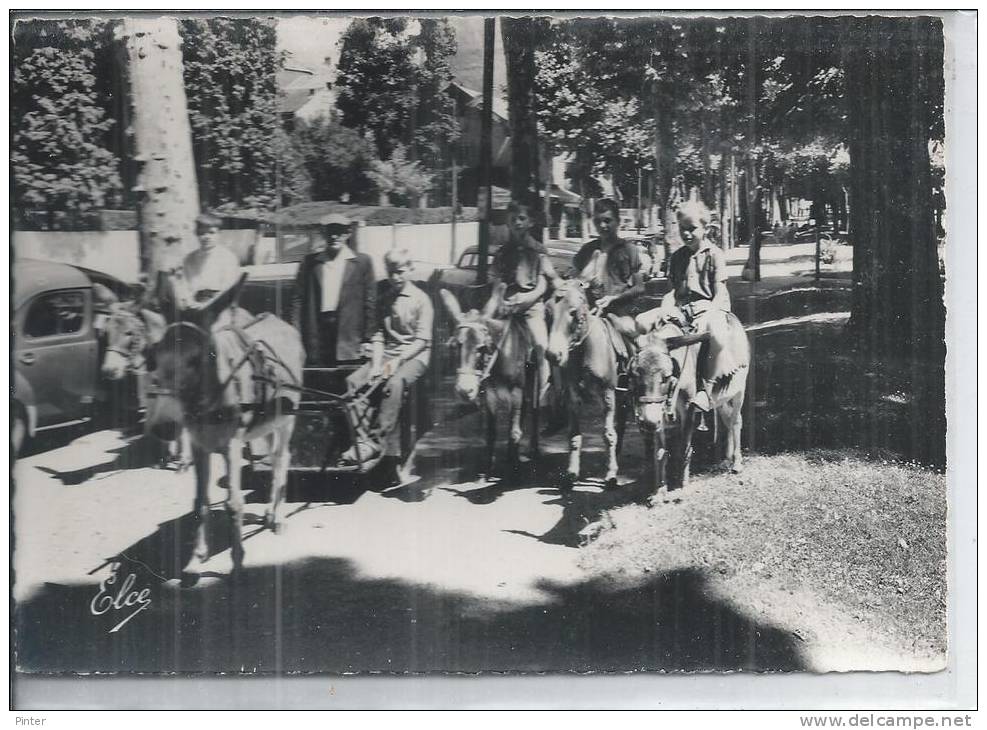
[
  {"x": 709, "y": 182},
  {"x": 752, "y": 269},
  {"x": 519, "y": 53},
  {"x": 168, "y": 198},
  {"x": 894, "y": 80},
  {"x": 665, "y": 166}
]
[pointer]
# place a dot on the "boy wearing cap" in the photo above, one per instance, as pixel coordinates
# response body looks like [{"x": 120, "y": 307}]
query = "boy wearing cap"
[
  {"x": 335, "y": 300},
  {"x": 401, "y": 347}
]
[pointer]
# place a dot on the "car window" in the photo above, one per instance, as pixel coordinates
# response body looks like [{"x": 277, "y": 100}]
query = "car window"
[
  {"x": 293, "y": 247},
  {"x": 56, "y": 313}
]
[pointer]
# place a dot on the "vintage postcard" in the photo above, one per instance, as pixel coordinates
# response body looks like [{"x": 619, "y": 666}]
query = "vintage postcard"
[{"x": 408, "y": 344}]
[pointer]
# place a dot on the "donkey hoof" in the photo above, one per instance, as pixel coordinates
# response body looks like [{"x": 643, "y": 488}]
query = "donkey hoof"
[
  {"x": 568, "y": 481},
  {"x": 273, "y": 523},
  {"x": 610, "y": 483},
  {"x": 737, "y": 469}
]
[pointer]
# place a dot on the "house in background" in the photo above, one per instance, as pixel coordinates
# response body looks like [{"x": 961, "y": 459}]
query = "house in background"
[
  {"x": 304, "y": 94},
  {"x": 565, "y": 204}
]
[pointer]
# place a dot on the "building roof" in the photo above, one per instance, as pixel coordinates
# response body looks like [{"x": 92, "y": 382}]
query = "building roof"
[
  {"x": 474, "y": 100},
  {"x": 290, "y": 102}
]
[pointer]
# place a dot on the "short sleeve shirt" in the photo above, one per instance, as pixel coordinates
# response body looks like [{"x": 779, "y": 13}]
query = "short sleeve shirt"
[
  {"x": 520, "y": 267},
  {"x": 700, "y": 270},
  {"x": 209, "y": 272},
  {"x": 406, "y": 316}
]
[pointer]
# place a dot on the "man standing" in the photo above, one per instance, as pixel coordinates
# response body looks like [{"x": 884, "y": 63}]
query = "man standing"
[
  {"x": 335, "y": 301},
  {"x": 401, "y": 348}
]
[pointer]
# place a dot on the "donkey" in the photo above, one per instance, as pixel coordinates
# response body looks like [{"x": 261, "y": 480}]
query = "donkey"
[
  {"x": 582, "y": 349},
  {"x": 664, "y": 377},
  {"x": 229, "y": 382},
  {"x": 131, "y": 332},
  {"x": 492, "y": 358}
]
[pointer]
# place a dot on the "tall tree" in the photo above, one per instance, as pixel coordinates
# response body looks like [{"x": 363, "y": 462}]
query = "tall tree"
[
  {"x": 894, "y": 76},
  {"x": 169, "y": 200},
  {"x": 391, "y": 84},
  {"x": 335, "y": 160},
  {"x": 521, "y": 36},
  {"x": 229, "y": 70}
]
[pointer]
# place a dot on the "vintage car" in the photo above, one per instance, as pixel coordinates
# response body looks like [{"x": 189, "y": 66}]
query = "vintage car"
[{"x": 56, "y": 347}]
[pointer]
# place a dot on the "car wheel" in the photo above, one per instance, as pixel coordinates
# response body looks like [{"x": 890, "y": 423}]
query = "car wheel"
[{"x": 18, "y": 430}]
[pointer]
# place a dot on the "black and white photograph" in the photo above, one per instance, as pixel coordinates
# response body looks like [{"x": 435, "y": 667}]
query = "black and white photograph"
[{"x": 511, "y": 343}]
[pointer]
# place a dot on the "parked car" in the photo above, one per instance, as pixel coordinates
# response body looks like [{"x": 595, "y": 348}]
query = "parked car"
[{"x": 56, "y": 347}]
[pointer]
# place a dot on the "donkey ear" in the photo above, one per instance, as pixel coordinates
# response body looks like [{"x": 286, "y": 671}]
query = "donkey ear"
[
  {"x": 451, "y": 304},
  {"x": 207, "y": 315},
  {"x": 678, "y": 341},
  {"x": 103, "y": 296},
  {"x": 226, "y": 299},
  {"x": 155, "y": 324}
]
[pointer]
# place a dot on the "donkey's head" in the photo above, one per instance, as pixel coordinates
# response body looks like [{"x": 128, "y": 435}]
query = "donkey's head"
[
  {"x": 130, "y": 333},
  {"x": 475, "y": 342},
  {"x": 653, "y": 373},
  {"x": 570, "y": 320},
  {"x": 189, "y": 376}
]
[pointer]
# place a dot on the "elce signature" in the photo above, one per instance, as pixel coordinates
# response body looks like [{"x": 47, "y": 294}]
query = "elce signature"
[{"x": 116, "y": 597}]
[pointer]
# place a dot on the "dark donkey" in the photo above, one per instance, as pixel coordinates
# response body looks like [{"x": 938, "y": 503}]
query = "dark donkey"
[
  {"x": 131, "y": 331},
  {"x": 492, "y": 358},
  {"x": 231, "y": 381},
  {"x": 664, "y": 377}
]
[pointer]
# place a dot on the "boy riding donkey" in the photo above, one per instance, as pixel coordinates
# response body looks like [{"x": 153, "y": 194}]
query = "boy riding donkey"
[
  {"x": 615, "y": 275},
  {"x": 699, "y": 301},
  {"x": 522, "y": 274}
]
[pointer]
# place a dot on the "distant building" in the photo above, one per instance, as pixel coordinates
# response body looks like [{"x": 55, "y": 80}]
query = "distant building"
[
  {"x": 469, "y": 115},
  {"x": 304, "y": 94}
]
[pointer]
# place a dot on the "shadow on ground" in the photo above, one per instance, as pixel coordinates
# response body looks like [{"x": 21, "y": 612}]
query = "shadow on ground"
[
  {"x": 139, "y": 452},
  {"x": 317, "y": 615}
]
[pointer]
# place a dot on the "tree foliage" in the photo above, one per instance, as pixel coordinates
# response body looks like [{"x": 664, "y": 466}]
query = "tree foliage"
[
  {"x": 391, "y": 85},
  {"x": 399, "y": 176},
  {"x": 330, "y": 161},
  {"x": 62, "y": 156},
  {"x": 230, "y": 66}
]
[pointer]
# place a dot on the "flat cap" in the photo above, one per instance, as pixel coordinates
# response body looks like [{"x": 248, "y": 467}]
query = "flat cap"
[{"x": 335, "y": 219}]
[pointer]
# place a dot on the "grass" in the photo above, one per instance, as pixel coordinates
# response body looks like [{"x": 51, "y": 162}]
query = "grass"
[{"x": 866, "y": 537}]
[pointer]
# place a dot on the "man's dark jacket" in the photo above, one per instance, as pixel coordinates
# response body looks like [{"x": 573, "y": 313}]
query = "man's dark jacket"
[{"x": 356, "y": 311}]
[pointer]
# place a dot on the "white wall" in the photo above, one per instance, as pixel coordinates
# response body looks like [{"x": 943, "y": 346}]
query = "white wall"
[
  {"x": 117, "y": 252},
  {"x": 429, "y": 244},
  {"x": 112, "y": 252}
]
